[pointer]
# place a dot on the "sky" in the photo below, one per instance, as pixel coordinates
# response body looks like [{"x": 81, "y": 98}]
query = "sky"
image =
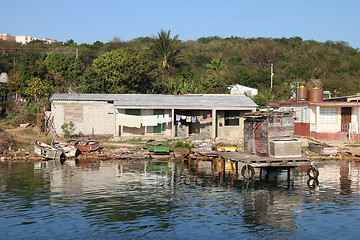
[{"x": 102, "y": 20}]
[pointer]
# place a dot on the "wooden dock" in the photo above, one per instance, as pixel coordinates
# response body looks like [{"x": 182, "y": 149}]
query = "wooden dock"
[
  {"x": 246, "y": 161},
  {"x": 253, "y": 160}
]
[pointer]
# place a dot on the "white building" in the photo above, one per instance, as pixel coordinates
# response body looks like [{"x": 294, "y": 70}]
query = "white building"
[
  {"x": 142, "y": 115},
  {"x": 26, "y": 39},
  {"x": 240, "y": 89}
]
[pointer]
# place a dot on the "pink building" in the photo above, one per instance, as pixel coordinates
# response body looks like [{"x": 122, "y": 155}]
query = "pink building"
[
  {"x": 7, "y": 37},
  {"x": 334, "y": 119}
]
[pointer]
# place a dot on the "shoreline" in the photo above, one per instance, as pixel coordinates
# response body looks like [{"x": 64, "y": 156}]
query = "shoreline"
[{"x": 134, "y": 148}]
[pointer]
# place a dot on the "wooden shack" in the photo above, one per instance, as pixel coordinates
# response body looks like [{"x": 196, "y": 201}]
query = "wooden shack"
[{"x": 271, "y": 134}]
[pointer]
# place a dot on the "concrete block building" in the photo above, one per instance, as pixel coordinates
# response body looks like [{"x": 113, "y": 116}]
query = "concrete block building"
[{"x": 148, "y": 115}]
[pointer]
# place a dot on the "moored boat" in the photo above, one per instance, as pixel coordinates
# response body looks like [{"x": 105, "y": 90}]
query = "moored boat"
[
  {"x": 67, "y": 148},
  {"x": 47, "y": 151},
  {"x": 87, "y": 146},
  {"x": 157, "y": 147},
  {"x": 220, "y": 147}
]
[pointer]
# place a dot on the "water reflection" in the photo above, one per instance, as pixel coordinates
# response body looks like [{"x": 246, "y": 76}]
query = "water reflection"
[{"x": 153, "y": 199}]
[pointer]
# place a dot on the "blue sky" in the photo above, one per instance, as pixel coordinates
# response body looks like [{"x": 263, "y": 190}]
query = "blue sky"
[{"x": 102, "y": 20}]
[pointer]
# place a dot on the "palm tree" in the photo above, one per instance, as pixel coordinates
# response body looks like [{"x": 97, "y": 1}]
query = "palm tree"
[
  {"x": 215, "y": 65},
  {"x": 167, "y": 49}
]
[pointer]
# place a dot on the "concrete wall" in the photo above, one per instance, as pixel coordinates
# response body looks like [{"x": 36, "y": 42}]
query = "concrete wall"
[{"x": 97, "y": 117}]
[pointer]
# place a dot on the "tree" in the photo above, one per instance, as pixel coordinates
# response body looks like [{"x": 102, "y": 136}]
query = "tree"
[
  {"x": 38, "y": 89},
  {"x": 121, "y": 71},
  {"x": 262, "y": 53},
  {"x": 213, "y": 85},
  {"x": 65, "y": 66},
  {"x": 167, "y": 49},
  {"x": 215, "y": 65}
]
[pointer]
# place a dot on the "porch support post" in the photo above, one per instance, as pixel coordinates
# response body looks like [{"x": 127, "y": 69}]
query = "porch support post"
[
  {"x": 317, "y": 120},
  {"x": 114, "y": 122},
  {"x": 214, "y": 127},
  {"x": 172, "y": 123}
]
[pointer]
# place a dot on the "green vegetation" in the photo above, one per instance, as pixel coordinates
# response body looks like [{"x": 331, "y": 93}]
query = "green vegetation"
[
  {"x": 164, "y": 64},
  {"x": 182, "y": 145},
  {"x": 68, "y": 129},
  {"x": 352, "y": 145}
]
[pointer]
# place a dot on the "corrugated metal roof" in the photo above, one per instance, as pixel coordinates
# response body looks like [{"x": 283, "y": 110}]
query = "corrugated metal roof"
[{"x": 158, "y": 100}]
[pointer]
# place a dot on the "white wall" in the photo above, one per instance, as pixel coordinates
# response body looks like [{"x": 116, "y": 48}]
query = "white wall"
[{"x": 98, "y": 117}]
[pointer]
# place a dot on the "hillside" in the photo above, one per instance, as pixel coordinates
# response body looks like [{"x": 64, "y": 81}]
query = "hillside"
[{"x": 207, "y": 65}]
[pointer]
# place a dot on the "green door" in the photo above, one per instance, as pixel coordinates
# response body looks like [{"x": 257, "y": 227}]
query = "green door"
[{"x": 159, "y": 129}]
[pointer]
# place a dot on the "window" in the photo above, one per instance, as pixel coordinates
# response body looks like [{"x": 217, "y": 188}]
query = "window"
[
  {"x": 231, "y": 118},
  {"x": 303, "y": 115},
  {"x": 327, "y": 115},
  {"x": 134, "y": 112},
  {"x": 73, "y": 113}
]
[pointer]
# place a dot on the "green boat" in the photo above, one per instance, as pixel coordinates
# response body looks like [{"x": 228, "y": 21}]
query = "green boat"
[
  {"x": 47, "y": 151},
  {"x": 157, "y": 147}
]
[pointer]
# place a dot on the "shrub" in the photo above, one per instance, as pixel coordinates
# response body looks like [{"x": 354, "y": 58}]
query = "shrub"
[
  {"x": 68, "y": 129},
  {"x": 181, "y": 144}
]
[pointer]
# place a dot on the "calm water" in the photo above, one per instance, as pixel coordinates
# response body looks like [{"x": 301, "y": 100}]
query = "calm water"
[{"x": 164, "y": 200}]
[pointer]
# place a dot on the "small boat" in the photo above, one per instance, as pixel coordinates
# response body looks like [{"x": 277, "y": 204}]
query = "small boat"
[
  {"x": 68, "y": 148},
  {"x": 157, "y": 147},
  {"x": 225, "y": 148},
  {"x": 47, "y": 151},
  {"x": 87, "y": 146},
  {"x": 323, "y": 149}
]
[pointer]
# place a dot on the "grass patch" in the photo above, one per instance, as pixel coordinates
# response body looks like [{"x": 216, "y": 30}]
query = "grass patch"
[
  {"x": 352, "y": 145},
  {"x": 30, "y": 132},
  {"x": 308, "y": 138}
]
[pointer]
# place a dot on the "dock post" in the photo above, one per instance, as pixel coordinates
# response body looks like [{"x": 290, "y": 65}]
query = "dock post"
[
  {"x": 223, "y": 165},
  {"x": 288, "y": 174},
  {"x": 261, "y": 170},
  {"x": 232, "y": 167},
  {"x": 222, "y": 170}
]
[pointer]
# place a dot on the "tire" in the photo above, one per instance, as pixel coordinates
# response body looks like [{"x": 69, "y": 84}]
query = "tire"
[
  {"x": 313, "y": 183},
  {"x": 247, "y": 171},
  {"x": 312, "y": 172}
]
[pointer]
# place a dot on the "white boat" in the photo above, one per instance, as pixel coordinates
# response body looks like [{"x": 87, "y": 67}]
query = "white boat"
[{"x": 67, "y": 147}]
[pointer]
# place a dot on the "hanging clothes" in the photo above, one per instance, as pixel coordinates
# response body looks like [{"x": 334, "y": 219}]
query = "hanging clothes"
[
  {"x": 160, "y": 119},
  {"x": 149, "y": 121},
  {"x": 188, "y": 119},
  {"x": 178, "y": 118},
  {"x": 193, "y": 119},
  {"x": 130, "y": 121},
  {"x": 166, "y": 118}
]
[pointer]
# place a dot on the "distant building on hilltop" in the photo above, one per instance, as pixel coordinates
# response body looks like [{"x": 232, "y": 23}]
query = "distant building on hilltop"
[
  {"x": 243, "y": 90},
  {"x": 26, "y": 39},
  {"x": 7, "y": 37}
]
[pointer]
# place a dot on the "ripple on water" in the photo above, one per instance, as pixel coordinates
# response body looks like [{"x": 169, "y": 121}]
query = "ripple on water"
[{"x": 146, "y": 200}]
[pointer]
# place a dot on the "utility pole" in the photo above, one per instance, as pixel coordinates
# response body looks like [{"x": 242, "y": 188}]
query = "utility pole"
[
  {"x": 77, "y": 53},
  {"x": 272, "y": 74}
]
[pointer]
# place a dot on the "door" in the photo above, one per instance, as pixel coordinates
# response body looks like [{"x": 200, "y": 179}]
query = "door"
[
  {"x": 159, "y": 129},
  {"x": 345, "y": 118}
]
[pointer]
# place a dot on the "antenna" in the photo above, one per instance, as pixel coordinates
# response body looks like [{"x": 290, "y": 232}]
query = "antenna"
[{"x": 272, "y": 74}]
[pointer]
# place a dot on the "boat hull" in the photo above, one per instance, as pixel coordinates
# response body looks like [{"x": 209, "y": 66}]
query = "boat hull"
[
  {"x": 67, "y": 148},
  {"x": 46, "y": 151},
  {"x": 87, "y": 146},
  {"x": 157, "y": 147}
]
